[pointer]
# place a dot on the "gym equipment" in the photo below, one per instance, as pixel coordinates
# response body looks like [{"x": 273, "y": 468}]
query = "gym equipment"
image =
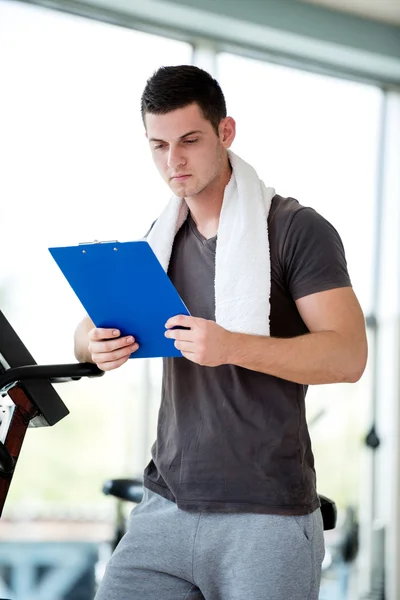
[
  {"x": 130, "y": 490},
  {"x": 27, "y": 397}
]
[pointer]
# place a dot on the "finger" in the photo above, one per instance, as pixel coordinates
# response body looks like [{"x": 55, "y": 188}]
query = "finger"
[
  {"x": 184, "y": 346},
  {"x": 115, "y": 354},
  {"x": 111, "y": 345},
  {"x": 105, "y": 357},
  {"x": 180, "y": 334},
  {"x": 181, "y": 321},
  {"x": 190, "y": 356},
  {"x": 101, "y": 333},
  {"x": 114, "y": 364}
]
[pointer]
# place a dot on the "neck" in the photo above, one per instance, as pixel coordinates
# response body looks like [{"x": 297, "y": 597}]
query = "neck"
[{"x": 205, "y": 208}]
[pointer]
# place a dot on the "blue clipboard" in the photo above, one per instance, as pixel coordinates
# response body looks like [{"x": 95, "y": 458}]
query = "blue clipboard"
[{"x": 122, "y": 285}]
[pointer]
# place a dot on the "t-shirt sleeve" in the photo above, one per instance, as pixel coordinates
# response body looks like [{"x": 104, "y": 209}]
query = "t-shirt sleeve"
[{"x": 313, "y": 255}]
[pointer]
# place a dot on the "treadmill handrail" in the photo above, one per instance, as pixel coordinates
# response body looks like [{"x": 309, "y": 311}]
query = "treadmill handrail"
[{"x": 50, "y": 372}]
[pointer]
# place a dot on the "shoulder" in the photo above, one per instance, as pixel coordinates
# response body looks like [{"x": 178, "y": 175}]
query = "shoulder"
[
  {"x": 284, "y": 211},
  {"x": 308, "y": 250},
  {"x": 288, "y": 219}
]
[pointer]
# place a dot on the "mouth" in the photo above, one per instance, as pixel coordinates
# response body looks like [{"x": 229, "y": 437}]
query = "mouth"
[{"x": 180, "y": 177}]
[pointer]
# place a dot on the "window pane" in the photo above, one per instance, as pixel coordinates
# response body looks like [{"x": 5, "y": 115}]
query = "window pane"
[
  {"x": 75, "y": 167},
  {"x": 314, "y": 138}
]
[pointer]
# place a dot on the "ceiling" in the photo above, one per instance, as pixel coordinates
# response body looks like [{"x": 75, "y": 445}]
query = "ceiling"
[{"x": 387, "y": 11}]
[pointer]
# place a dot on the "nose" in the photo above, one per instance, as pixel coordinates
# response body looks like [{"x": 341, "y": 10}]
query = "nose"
[{"x": 175, "y": 158}]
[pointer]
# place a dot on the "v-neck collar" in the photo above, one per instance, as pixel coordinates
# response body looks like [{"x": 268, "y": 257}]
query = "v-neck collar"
[{"x": 197, "y": 233}]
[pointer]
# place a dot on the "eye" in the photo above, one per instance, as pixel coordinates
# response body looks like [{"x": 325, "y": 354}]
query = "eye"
[
  {"x": 191, "y": 141},
  {"x": 158, "y": 147}
]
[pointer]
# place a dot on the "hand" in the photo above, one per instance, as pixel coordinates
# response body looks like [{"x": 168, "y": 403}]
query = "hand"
[
  {"x": 204, "y": 343},
  {"x": 108, "y": 353}
]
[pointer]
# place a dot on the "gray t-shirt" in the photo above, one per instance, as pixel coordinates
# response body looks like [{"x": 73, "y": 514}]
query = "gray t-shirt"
[{"x": 230, "y": 439}]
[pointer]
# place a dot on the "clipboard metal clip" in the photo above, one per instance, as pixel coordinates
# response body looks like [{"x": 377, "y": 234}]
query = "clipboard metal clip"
[{"x": 98, "y": 242}]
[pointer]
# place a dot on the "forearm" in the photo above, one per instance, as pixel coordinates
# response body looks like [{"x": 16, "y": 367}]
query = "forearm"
[
  {"x": 81, "y": 340},
  {"x": 315, "y": 358}
]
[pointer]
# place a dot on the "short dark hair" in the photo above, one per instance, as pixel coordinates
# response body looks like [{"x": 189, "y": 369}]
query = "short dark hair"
[{"x": 175, "y": 87}]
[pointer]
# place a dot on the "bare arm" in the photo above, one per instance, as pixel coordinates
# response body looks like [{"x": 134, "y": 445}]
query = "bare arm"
[
  {"x": 104, "y": 347},
  {"x": 334, "y": 351}
]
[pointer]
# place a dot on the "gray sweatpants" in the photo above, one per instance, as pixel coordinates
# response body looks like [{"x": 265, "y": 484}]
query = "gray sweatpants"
[{"x": 170, "y": 554}]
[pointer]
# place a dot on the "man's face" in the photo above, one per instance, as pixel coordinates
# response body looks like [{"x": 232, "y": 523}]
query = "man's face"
[{"x": 186, "y": 150}]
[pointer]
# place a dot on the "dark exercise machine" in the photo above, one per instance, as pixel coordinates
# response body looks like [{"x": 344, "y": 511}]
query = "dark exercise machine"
[{"x": 27, "y": 397}]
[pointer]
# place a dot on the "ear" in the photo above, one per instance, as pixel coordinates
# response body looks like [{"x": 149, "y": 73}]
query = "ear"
[{"x": 227, "y": 131}]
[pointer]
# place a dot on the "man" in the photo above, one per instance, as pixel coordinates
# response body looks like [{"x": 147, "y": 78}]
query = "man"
[{"x": 230, "y": 509}]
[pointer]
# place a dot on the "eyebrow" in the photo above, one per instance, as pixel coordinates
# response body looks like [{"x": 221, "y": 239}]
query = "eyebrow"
[{"x": 181, "y": 137}]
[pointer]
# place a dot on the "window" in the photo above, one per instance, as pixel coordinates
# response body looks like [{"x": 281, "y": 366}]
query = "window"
[{"x": 75, "y": 167}]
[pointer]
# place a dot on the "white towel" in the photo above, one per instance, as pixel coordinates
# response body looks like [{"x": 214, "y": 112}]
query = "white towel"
[{"x": 242, "y": 261}]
